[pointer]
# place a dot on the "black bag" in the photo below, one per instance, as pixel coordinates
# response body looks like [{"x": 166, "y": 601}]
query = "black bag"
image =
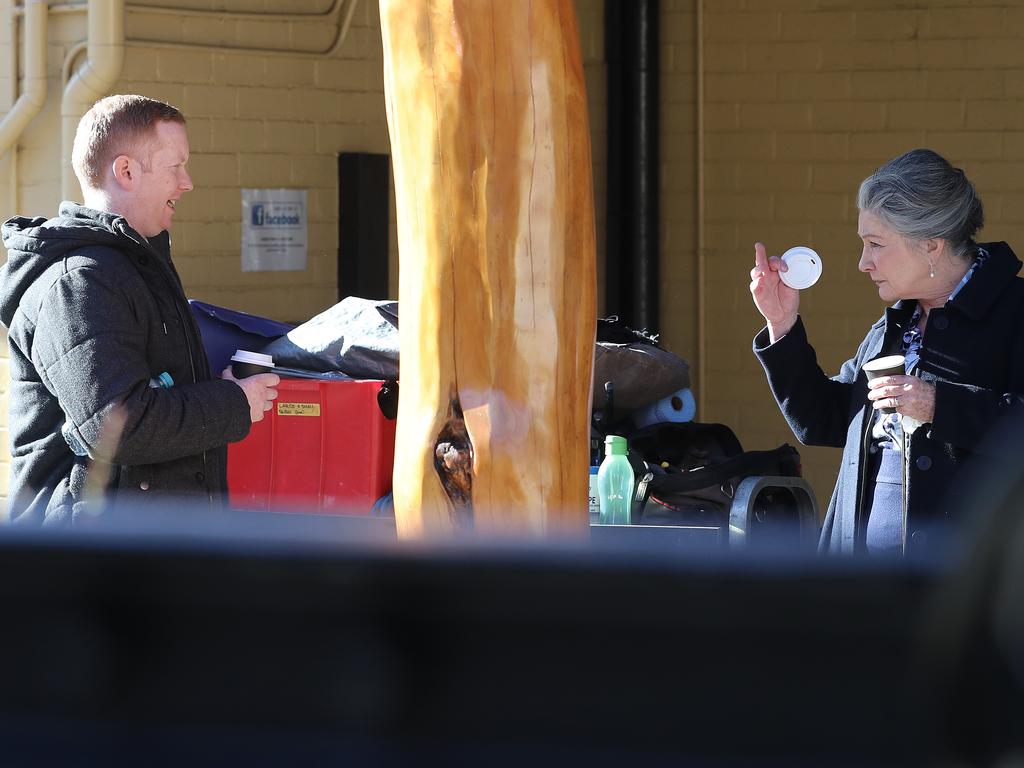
[
  {"x": 639, "y": 370},
  {"x": 705, "y": 465},
  {"x": 358, "y": 337}
]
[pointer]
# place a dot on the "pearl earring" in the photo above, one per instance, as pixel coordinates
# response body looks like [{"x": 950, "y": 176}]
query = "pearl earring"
[{"x": 931, "y": 269}]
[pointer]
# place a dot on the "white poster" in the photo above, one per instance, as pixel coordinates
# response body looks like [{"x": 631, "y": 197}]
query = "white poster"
[{"x": 274, "y": 229}]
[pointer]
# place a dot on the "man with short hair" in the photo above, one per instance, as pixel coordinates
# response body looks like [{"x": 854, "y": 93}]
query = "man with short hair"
[{"x": 111, "y": 393}]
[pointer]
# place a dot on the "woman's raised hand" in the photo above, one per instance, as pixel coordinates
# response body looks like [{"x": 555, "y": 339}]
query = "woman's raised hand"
[{"x": 775, "y": 300}]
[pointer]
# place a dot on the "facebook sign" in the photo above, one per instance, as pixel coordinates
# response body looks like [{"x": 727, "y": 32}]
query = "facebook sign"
[
  {"x": 274, "y": 229},
  {"x": 276, "y": 215}
]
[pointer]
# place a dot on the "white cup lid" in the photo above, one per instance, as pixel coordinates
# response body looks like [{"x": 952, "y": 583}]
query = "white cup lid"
[
  {"x": 804, "y": 267},
  {"x": 245, "y": 356},
  {"x": 881, "y": 363}
]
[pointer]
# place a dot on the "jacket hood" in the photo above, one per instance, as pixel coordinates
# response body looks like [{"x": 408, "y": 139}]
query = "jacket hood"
[{"x": 34, "y": 244}]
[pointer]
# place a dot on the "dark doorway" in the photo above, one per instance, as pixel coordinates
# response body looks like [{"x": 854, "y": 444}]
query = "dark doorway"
[{"x": 363, "y": 202}]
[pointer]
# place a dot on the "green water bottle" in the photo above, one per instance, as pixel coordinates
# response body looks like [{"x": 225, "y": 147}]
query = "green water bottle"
[{"x": 615, "y": 482}]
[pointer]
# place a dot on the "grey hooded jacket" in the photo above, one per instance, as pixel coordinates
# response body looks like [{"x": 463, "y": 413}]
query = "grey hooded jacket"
[{"x": 94, "y": 312}]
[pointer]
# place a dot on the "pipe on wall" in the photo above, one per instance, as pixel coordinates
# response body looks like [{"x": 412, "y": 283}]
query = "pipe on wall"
[
  {"x": 645, "y": 176},
  {"x": 14, "y": 200},
  {"x": 92, "y": 81},
  {"x": 632, "y": 288},
  {"x": 332, "y": 15},
  {"x": 615, "y": 51},
  {"x": 324, "y": 15},
  {"x": 702, "y": 259},
  {"x": 341, "y": 31},
  {"x": 33, "y": 92},
  {"x": 81, "y": 7}
]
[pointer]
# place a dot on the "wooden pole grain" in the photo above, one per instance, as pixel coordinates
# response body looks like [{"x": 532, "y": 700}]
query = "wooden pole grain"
[{"x": 487, "y": 113}]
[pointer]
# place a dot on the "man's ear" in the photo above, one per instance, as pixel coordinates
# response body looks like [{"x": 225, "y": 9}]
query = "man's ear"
[{"x": 124, "y": 170}]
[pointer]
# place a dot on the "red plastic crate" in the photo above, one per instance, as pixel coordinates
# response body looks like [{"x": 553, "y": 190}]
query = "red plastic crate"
[{"x": 325, "y": 446}]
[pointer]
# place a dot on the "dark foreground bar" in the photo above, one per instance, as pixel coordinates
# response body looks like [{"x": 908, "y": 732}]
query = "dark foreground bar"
[{"x": 264, "y": 645}]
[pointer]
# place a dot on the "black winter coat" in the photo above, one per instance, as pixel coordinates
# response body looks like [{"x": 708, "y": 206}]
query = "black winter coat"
[
  {"x": 973, "y": 352},
  {"x": 94, "y": 312}
]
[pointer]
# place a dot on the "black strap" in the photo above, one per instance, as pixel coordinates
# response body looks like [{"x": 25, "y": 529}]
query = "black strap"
[{"x": 783, "y": 461}]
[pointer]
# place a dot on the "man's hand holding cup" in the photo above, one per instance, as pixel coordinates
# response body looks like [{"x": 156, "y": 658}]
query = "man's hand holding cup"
[{"x": 251, "y": 372}]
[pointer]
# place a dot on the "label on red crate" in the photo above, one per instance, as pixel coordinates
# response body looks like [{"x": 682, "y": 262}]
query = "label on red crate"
[{"x": 298, "y": 409}]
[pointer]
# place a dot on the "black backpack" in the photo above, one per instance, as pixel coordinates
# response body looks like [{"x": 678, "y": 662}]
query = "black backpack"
[{"x": 687, "y": 473}]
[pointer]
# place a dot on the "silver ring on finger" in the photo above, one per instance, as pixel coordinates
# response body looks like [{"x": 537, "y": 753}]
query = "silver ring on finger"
[{"x": 895, "y": 402}]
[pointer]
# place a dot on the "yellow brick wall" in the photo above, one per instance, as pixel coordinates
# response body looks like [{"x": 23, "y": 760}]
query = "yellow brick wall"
[
  {"x": 259, "y": 120},
  {"x": 679, "y": 286},
  {"x": 591, "y": 21},
  {"x": 8, "y": 204},
  {"x": 802, "y": 101},
  {"x": 255, "y": 119}
]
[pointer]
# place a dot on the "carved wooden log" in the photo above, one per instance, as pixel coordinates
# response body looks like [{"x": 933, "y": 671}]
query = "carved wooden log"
[{"x": 490, "y": 144}]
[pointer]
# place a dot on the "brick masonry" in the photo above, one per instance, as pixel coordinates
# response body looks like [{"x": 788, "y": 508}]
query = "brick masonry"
[{"x": 802, "y": 99}]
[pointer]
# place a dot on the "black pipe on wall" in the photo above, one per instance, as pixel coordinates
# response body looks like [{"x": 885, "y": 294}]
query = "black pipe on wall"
[{"x": 632, "y": 220}]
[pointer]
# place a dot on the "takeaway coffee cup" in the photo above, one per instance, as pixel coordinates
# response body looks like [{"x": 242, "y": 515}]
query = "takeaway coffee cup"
[
  {"x": 245, "y": 363},
  {"x": 893, "y": 365}
]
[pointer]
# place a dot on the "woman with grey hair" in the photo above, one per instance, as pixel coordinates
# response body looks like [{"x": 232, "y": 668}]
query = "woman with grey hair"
[{"x": 957, "y": 317}]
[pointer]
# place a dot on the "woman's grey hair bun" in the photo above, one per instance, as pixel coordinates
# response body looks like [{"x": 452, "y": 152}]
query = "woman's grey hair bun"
[{"x": 922, "y": 196}]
